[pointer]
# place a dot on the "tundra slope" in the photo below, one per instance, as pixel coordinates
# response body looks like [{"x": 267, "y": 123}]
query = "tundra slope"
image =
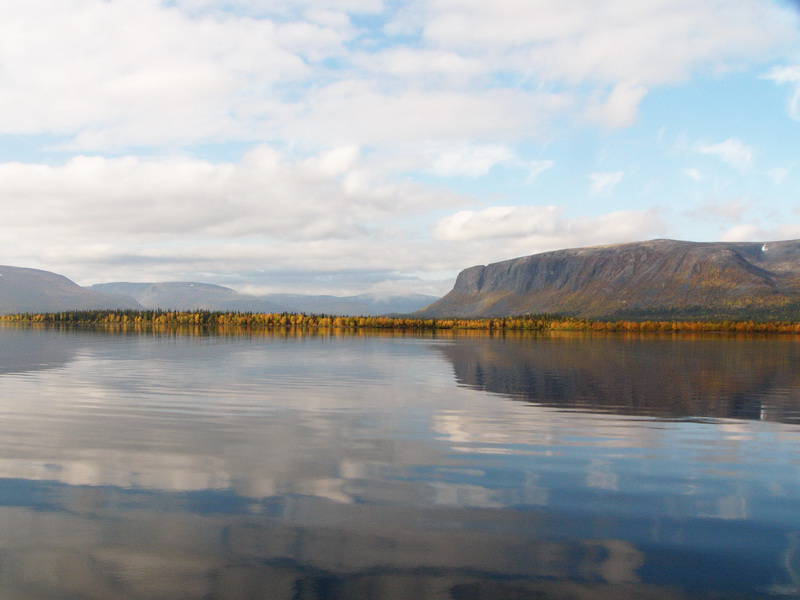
[{"x": 641, "y": 280}]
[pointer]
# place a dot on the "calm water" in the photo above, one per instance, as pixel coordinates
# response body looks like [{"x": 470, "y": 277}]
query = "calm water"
[{"x": 358, "y": 467}]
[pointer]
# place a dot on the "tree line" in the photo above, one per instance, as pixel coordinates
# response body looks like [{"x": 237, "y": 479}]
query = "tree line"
[{"x": 160, "y": 318}]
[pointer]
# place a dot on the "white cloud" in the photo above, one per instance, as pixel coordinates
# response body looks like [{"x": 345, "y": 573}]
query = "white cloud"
[
  {"x": 619, "y": 44},
  {"x": 430, "y": 66},
  {"x": 282, "y": 8},
  {"x": 778, "y": 175},
  {"x": 537, "y": 167},
  {"x": 472, "y": 160},
  {"x": 136, "y": 72},
  {"x": 338, "y": 160},
  {"x": 499, "y": 222},
  {"x": 133, "y": 73},
  {"x": 328, "y": 223},
  {"x": 733, "y": 210},
  {"x": 759, "y": 233},
  {"x": 469, "y": 86},
  {"x": 467, "y": 160},
  {"x": 543, "y": 227},
  {"x": 788, "y": 75},
  {"x": 732, "y": 151},
  {"x": 168, "y": 216},
  {"x": 502, "y": 232},
  {"x": 693, "y": 174},
  {"x": 605, "y": 182},
  {"x": 363, "y": 112},
  {"x": 743, "y": 233},
  {"x": 620, "y": 107}
]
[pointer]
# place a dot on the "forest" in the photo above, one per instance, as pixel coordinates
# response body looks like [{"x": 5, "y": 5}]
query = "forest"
[{"x": 208, "y": 319}]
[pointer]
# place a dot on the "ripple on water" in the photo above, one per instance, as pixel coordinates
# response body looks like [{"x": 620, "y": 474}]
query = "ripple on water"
[{"x": 347, "y": 467}]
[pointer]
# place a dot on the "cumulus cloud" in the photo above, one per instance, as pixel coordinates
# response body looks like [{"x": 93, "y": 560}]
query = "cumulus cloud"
[
  {"x": 778, "y": 175},
  {"x": 470, "y": 160},
  {"x": 498, "y": 221},
  {"x": 693, "y": 174},
  {"x": 788, "y": 75},
  {"x": 502, "y": 232},
  {"x": 362, "y": 97},
  {"x": 459, "y": 159},
  {"x": 283, "y": 8},
  {"x": 733, "y": 210},
  {"x": 616, "y": 41},
  {"x": 87, "y": 70},
  {"x": 544, "y": 227},
  {"x": 363, "y": 112},
  {"x": 760, "y": 233},
  {"x": 732, "y": 151},
  {"x": 327, "y": 223},
  {"x": 134, "y": 73},
  {"x": 173, "y": 215},
  {"x": 620, "y": 107},
  {"x": 425, "y": 65},
  {"x": 605, "y": 182},
  {"x": 467, "y": 160}
]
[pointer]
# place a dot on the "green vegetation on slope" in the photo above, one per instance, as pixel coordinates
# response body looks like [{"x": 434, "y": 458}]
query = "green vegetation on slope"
[{"x": 654, "y": 280}]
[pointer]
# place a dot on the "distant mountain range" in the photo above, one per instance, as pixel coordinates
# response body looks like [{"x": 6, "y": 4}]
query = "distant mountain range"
[
  {"x": 190, "y": 295},
  {"x": 33, "y": 290},
  {"x": 657, "y": 279},
  {"x": 178, "y": 295},
  {"x": 653, "y": 279}
]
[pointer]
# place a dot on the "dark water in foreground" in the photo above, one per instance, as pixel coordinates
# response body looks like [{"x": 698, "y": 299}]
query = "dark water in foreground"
[{"x": 275, "y": 467}]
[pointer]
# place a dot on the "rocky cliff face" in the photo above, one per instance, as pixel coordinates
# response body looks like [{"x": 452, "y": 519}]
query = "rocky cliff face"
[
  {"x": 654, "y": 279},
  {"x": 32, "y": 290}
]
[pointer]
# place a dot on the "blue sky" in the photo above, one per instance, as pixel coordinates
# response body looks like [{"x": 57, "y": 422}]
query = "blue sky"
[{"x": 375, "y": 146}]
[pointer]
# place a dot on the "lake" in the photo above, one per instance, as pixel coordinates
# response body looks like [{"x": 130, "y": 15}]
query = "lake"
[{"x": 332, "y": 466}]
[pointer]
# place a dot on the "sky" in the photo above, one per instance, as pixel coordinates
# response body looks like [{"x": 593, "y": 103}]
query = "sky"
[{"x": 380, "y": 146}]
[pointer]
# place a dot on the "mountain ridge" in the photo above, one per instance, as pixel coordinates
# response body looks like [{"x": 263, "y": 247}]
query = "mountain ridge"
[
  {"x": 35, "y": 290},
  {"x": 653, "y": 278},
  {"x": 184, "y": 295}
]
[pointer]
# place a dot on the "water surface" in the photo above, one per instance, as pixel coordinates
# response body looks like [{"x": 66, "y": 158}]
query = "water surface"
[{"x": 371, "y": 466}]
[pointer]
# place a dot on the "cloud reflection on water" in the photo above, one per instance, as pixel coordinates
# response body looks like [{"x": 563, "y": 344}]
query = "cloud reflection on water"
[{"x": 148, "y": 467}]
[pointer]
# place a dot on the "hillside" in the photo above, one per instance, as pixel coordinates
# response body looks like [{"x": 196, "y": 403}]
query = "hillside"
[
  {"x": 653, "y": 279},
  {"x": 32, "y": 290},
  {"x": 205, "y": 296}
]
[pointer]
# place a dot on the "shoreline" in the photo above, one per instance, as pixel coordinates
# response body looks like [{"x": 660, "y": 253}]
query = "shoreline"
[{"x": 300, "y": 321}]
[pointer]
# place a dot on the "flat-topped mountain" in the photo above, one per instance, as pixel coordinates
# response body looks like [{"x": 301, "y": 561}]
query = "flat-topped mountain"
[
  {"x": 653, "y": 279},
  {"x": 205, "y": 296},
  {"x": 32, "y": 290}
]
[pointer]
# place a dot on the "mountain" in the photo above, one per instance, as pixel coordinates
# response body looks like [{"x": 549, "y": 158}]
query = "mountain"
[
  {"x": 186, "y": 295},
  {"x": 642, "y": 280},
  {"x": 205, "y": 296},
  {"x": 32, "y": 290},
  {"x": 362, "y": 304}
]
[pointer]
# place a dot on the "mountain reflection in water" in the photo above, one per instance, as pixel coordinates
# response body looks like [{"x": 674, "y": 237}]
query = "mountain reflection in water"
[
  {"x": 743, "y": 377},
  {"x": 335, "y": 466}
]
